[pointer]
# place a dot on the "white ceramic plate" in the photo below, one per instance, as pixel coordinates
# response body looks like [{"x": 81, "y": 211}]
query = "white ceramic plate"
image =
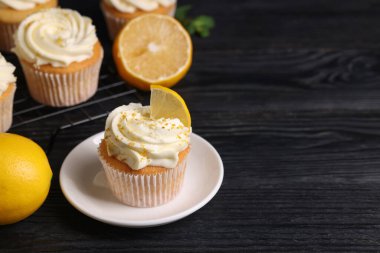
[{"x": 84, "y": 185}]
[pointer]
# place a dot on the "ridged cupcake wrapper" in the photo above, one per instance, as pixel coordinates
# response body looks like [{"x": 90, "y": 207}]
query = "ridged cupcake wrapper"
[
  {"x": 62, "y": 89},
  {"x": 6, "y": 36},
  {"x": 6, "y": 111},
  {"x": 172, "y": 12},
  {"x": 145, "y": 190},
  {"x": 115, "y": 24}
]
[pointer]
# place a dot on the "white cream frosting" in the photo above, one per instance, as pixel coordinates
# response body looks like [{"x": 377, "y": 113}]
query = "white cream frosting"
[
  {"x": 137, "y": 140},
  {"x": 130, "y": 6},
  {"x": 55, "y": 36},
  {"x": 21, "y": 5},
  {"x": 6, "y": 74}
]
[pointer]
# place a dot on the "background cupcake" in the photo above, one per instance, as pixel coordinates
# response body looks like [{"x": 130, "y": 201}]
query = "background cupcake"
[
  {"x": 60, "y": 55},
  {"x": 144, "y": 159},
  {"x": 12, "y": 12},
  {"x": 7, "y": 91},
  {"x": 118, "y": 12}
]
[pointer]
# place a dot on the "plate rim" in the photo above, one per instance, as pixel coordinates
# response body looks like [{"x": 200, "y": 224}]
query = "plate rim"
[{"x": 150, "y": 222}]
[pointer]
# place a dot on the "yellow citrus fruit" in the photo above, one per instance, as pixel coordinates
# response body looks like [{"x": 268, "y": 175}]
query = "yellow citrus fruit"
[
  {"x": 166, "y": 103},
  {"x": 25, "y": 176},
  {"x": 153, "y": 49}
]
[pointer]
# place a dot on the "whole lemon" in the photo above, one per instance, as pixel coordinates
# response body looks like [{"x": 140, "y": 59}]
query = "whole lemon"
[{"x": 25, "y": 177}]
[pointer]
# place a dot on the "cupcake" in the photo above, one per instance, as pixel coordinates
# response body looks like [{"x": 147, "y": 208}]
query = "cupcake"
[
  {"x": 144, "y": 159},
  {"x": 60, "y": 55},
  {"x": 118, "y": 12},
  {"x": 12, "y": 12},
  {"x": 7, "y": 92}
]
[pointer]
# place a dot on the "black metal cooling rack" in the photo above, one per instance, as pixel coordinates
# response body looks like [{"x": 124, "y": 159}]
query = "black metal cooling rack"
[{"x": 111, "y": 92}]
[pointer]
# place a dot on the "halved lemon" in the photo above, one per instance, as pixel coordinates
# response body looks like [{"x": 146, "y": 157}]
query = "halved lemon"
[
  {"x": 166, "y": 103},
  {"x": 153, "y": 50}
]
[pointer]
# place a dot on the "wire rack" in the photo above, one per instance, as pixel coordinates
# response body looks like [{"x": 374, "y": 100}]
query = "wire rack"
[{"x": 111, "y": 91}]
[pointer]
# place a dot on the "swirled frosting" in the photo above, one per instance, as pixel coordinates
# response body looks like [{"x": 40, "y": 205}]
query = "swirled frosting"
[
  {"x": 6, "y": 74},
  {"x": 130, "y": 6},
  {"x": 21, "y": 4},
  {"x": 137, "y": 140},
  {"x": 55, "y": 36}
]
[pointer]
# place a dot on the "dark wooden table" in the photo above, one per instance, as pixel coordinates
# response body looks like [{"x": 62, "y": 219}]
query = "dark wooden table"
[{"x": 288, "y": 92}]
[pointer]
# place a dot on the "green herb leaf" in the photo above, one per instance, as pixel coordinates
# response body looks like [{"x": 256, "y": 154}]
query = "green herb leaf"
[
  {"x": 200, "y": 25},
  {"x": 190, "y": 28},
  {"x": 203, "y": 24},
  {"x": 182, "y": 11}
]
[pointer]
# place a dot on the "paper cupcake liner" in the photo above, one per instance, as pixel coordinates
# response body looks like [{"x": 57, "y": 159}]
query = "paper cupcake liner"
[
  {"x": 115, "y": 24},
  {"x": 6, "y": 110},
  {"x": 6, "y": 36},
  {"x": 62, "y": 89},
  {"x": 145, "y": 190},
  {"x": 172, "y": 12}
]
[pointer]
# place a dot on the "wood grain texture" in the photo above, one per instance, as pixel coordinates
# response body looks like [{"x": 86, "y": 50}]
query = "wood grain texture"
[{"x": 288, "y": 92}]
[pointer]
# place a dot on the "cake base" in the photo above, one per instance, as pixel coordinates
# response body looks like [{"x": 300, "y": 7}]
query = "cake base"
[
  {"x": 64, "y": 86},
  {"x": 6, "y": 108},
  {"x": 116, "y": 20},
  {"x": 151, "y": 186}
]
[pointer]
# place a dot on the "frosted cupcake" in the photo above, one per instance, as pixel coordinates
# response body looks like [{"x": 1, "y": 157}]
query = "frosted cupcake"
[
  {"x": 118, "y": 12},
  {"x": 144, "y": 159},
  {"x": 60, "y": 55},
  {"x": 7, "y": 91},
  {"x": 12, "y": 12}
]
